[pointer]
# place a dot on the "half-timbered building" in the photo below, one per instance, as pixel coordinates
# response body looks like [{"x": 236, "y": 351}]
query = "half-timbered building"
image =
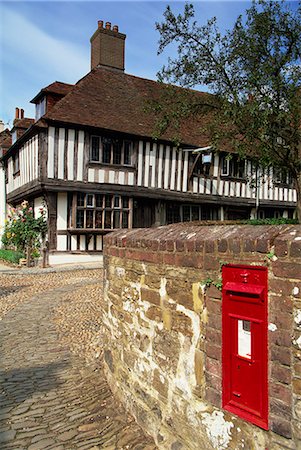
[{"x": 90, "y": 157}]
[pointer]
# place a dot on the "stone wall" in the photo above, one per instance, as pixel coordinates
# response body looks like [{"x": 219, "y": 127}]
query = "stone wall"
[{"x": 163, "y": 331}]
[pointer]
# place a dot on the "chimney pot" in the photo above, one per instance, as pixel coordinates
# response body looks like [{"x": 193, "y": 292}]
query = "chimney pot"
[
  {"x": 108, "y": 25},
  {"x": 17, "y": 114},
  {"x": 22, "y": 114},
  {"x": 100, "y": 24},
  {"x": 115, "y": 28}
]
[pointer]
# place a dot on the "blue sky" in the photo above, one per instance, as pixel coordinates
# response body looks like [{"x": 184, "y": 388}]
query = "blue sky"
[{"x": 42, "y": 41}]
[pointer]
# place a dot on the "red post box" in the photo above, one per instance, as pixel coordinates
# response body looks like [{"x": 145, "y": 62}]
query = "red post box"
[{"x": 244, "y": 348}]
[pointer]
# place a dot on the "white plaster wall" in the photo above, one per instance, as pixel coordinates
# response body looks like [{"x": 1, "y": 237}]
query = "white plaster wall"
[
  {"x": 61, "y": 211},
  {"x": 2, "y": 202},
  {"x": 61, "y": 243},
  {"x": 37, "y": 204}
]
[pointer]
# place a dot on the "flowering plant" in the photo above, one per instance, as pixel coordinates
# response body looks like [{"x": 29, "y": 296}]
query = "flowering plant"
[{"x": 23, "y": 231}]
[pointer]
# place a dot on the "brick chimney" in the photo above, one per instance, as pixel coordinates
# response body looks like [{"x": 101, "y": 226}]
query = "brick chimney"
[{"x": 107, "y": 47}]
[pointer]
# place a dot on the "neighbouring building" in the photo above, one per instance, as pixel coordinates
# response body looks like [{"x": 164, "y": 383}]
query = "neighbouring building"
[
  {"x": 5, "y": 143},
  {"x": 90, "y": 157}
]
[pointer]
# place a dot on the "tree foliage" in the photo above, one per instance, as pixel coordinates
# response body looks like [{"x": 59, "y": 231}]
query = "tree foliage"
[{"x": 254, "y": 72}]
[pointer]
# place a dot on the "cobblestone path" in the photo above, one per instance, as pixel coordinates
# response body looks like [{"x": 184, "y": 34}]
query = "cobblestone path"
[{"x": 49, "y": 397}]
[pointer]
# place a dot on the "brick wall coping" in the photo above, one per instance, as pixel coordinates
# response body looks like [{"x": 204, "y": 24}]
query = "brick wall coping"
[{"x": 282, "y": 240}]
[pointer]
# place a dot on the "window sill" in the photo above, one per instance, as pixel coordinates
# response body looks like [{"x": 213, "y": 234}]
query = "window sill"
[
  {"x": 114, "y": 166},
  {"x": 231, "y": 178}
]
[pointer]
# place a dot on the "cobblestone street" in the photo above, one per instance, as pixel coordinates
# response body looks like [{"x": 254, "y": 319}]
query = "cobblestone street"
[{"x": 53, "y": 391}]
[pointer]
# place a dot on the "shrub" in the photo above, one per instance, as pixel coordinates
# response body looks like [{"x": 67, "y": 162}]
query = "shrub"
[{"x": 23, "y": 232}]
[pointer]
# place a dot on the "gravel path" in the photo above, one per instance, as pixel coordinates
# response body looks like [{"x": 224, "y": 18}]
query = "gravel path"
[{"x": 53, "y": 391}]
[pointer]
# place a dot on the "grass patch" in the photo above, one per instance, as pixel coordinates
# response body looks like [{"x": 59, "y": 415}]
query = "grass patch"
[{"x": 11, "y": 256}]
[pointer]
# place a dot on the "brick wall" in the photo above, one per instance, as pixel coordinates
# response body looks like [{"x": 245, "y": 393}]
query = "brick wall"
[{"x": 163, "y": 331}]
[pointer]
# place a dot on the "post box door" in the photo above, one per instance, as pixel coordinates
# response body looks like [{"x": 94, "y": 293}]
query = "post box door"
[{"x": 244, "y": 312}]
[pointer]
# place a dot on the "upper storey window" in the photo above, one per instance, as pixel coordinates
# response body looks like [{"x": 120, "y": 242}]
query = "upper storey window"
[
  {"x": 283, "y": 176},
  {"x": 16, "y": 163},
  {"x": 111, "y": 151},
  {"x": 233, "y": 166},
  {"x": 41, "y": 108},
  {"x": 202, "y": 164}
]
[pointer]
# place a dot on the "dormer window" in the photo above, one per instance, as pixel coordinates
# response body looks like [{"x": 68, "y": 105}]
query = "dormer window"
[
  {"x": 40, "y": 108},
  {"x": 202, "y": 164},
  {"x": 14, "y": 136}
]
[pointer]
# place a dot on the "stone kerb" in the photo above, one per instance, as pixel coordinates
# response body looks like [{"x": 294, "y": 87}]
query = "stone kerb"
[{"x": 163, "y": 331}]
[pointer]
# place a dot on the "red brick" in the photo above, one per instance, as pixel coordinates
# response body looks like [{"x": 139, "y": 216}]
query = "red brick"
[
  {"x": 170, "y": 245},
  {"x": 113, "y": 251},
  {"x": 281, "y": 391},
  {"x": 213, "y": 351},
  {"x": 150, "y": 296},
  {"x": 281, "y": 426},
  {"x": 282, "y": 338},
  {"x": 213, "y": 367},
  {"x": 249, "y": 245},
  {"x": 215, "y": 321},
  {"x": 222, "y": 245},
  {"x": 213, "y": 292},
  {"x": 214, "y": 397},
  {"x": 199, "y": 246},
  {"x": 262, "y": 246},
  {"x": 121, "y": 252},
  {"x": 209, "y": 246},
  {"x": 282, "y": 320},
  {"x": 234, "y": 246},
  {"x": 180, "y": 247},
  {"x": 211, "y": 263},
  {"x": 295, "y": 251},
  {"x": 213, "y": 381},
  {"x": 190, "y": 245},
  {"x": 169, "y": 259},
  {"x": 281, "y": 355},
  {"x": 286, "y": 269},
  {"x": 281, "y": 374},
  {"x": 189, "y": 260},
  {"x": 162, "y": 245},
  {"x": 213, "y": 336},
  {"x": 213, "y": 306},
  {"x": 278, "y": 408},
  {"x": 281, "y": 248}
]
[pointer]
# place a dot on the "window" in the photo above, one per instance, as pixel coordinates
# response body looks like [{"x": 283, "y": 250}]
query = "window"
[
  {"x": 111, "y": 151},
  {"x": 233, "y": 166},
  {"x": 41, "y": 108},
  {"x": 202, "y": 164},
  {"x": 99, "y": 211},
  {"x": 16, "y": 163},
  {"x": 187, "y": 213},
  {"x": 283, "y": 176},
  {"x": 14, "y": 136}
]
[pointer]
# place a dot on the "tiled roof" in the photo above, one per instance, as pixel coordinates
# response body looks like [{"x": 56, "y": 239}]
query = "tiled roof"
[
  {"x": 23, "y": 123},
  {"x": 57, "y": 87},
  {"x": 5, "y": 139},
  {"x": 116, "y": 101}
]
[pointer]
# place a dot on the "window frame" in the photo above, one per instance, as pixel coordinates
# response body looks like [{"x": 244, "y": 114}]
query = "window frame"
[
  {"x": 110, "y": 205},
  {"x": 16, "y": 163},
  {"x": 230, "y": 166},
  {"x": 126, "y": 157}
]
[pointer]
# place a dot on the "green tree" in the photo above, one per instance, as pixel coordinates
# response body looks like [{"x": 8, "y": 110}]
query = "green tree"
[
  {"x": 24, "y": 232},
  {"x": 254, "y": 72}
]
